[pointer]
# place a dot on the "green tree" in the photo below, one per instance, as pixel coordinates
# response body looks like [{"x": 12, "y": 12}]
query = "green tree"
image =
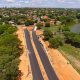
[
  {"x": 65, "y": 28},
  {"x": 11, "y": 29},
  {"x": 56, "y": 42},
  {"x": 29, "y": 22},
  {"x": 3, "y": 28},
  {"x": 47, "y": 34},
  {"x": 47, "y": 24},
  {"x": 39, "y": 25},
  {"x": 72, "y": 38},
  {"x": 9, "y": 53}
]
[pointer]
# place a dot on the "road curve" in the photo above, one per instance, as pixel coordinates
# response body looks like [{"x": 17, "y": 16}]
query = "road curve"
[
  {"x": 45, "y": 61},
  {"x": 33, "y": 60}
]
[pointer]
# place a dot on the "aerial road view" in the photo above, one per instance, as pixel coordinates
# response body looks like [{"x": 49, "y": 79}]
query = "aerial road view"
[{"x": 39, "y": 40}]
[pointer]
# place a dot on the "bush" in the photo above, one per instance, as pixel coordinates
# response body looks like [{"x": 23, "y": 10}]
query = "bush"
[
  {"x": 65, "y": 28},
  {"x": 11, "y": 30},
  {"x": 47, "y": 34},
  {"x": 3, "y": 28},
  {"x": 56, "y": 42},
  {"x": 35, "y": 21},
  {"x": 7, "y": 28},
  {"x": 9, "y": 53},
  {"x": 45, "y": 20},
  {"x": 39, "y": 25},
  {"x": 29, "y": 22},
  {"x": 47, "y": 24},
  {"x": 72, "y": 38}
]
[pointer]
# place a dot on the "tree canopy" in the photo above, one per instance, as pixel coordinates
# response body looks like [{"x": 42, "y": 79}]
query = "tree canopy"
[{"x": 9, "y": 53}]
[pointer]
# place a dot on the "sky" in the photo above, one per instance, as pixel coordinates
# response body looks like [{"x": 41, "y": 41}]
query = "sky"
[{"x": 41, "y": 3}]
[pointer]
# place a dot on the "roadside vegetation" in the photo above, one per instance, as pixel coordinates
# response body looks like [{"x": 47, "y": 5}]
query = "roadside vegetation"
[
  {"x": 9, "y": 52},
  {"x": 67, "y": 42},
  {"x": 72, "y": 54}
]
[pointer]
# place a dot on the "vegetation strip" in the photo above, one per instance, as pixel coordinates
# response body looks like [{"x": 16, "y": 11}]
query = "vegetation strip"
[{"x": 9, "y": 52}]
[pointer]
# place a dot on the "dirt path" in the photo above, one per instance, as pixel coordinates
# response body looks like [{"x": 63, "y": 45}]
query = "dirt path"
[
  {"x": 24, "y": 63},
  {"x": 63, "y": 69}
]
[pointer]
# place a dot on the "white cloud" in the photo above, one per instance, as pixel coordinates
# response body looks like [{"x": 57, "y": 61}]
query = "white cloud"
[
  {"x": 61, "y": 0},
  {"x": 10, "y": 0},
  {"x": 40, "y": 3},
  {"x": 27, "y": 1}
]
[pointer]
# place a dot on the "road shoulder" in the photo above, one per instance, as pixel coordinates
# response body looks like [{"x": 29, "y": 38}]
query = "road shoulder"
[{"x": 24, "y": 61}]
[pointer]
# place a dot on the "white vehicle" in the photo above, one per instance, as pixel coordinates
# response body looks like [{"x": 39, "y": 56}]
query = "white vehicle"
[{"x": 35, "y": 28}]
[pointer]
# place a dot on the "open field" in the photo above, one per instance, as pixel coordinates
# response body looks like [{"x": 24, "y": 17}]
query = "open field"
[
  {"x": 72, "y": 54},
  {"x": 53, "y": 28}
]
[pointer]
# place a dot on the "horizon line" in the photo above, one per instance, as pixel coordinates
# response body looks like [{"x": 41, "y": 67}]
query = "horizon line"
[{"x": 43, "y": 7}]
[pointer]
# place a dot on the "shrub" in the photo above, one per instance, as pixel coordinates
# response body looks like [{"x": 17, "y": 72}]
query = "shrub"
[
  {"x": 9, "y": 53},
  {"x": 29, "y": 22},
  {"x": 72, "y": 38},
  {"x": 56, "y": 42},
  {"x": 47, "y": 34},
  {"x": 39, "y": 25},
  {"x": 47, "y": 24}
]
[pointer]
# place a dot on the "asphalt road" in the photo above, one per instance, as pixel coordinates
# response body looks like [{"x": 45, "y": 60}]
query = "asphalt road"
[
  {"x": 45, "y": 61},
  {"x": 33, "y": 60}
]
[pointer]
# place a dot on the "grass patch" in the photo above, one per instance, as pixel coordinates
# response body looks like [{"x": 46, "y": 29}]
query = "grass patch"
[
  {"x": 71, "y": 50},
  {"x": 72, "y": 54},
  {"x": 53, "y": 28}
]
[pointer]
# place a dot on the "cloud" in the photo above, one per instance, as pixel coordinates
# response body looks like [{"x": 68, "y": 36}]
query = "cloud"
[
  {"x": 10, "y": 0},
  {"x": 40, "y": 3},
  {"x": 61, "y": 0},
  {"x": 27, "y": 1}
]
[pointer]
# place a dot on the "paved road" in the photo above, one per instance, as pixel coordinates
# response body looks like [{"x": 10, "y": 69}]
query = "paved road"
[
  {"x": 33, "y": 60},
  {"x": 45, "y": 61}
]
